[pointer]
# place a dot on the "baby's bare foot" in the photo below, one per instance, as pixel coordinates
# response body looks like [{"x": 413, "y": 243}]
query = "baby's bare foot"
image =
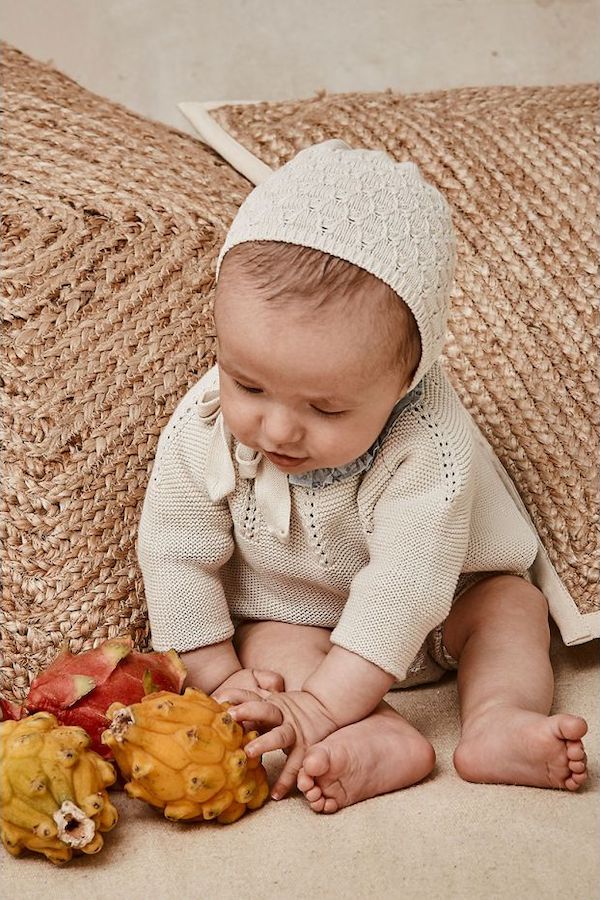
[
  {"x": 517, "y": 746},
  {"x": 380, "y": 754}
]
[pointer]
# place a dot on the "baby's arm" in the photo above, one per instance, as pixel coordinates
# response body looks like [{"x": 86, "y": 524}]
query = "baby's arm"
[
  {"x": 344, "y": 688},
  {"x": 348, "y": 686},
  {"x": 184, "y": 539},
  {"x": 209, "y": 667}
]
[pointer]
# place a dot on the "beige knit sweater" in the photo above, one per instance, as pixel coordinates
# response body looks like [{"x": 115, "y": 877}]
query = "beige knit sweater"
[{"x": 378, "y": 557}]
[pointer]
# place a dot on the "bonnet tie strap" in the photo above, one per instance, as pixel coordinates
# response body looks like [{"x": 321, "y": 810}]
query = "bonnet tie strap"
[{"x": 272, "y": 488}]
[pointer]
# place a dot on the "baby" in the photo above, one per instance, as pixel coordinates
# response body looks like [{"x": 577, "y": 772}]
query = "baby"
[{"x": 321, "y": 525}]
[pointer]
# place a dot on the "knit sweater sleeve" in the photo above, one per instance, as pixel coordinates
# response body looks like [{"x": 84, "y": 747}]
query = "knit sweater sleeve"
[
  {"x": 184, "y": 539},
  {"x": 418, "y": 538}
]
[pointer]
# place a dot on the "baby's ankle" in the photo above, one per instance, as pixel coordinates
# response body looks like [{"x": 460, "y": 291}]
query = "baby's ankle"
[{"x": 485, "y": 714}]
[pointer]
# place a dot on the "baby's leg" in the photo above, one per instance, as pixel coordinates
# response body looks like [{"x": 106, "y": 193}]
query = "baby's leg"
[
  {"x": 498, "y": 631},
  {"x": 381, "y": 753},
  {"x": 294, "y": 651}
]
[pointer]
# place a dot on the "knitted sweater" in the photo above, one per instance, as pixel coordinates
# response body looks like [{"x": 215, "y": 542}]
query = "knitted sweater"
[{"x": 377, "y": 557}]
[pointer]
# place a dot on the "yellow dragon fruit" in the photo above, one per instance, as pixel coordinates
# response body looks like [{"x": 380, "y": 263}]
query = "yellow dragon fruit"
[
  {"x": 52, "y": 789},
  {"x": 184, "y": 754}
]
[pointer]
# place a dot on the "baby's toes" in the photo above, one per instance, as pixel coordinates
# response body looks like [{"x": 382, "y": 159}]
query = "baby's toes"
[
  {"x": 314, "y": 794},
  {"x": 309, "y": 788},
  {"x": 577, "y": 761},
  {"x": 330, "y": 806},
  {"x": 570, "y": 728},
  {"x": 304, "y": 781},
  {"x": 575, "y": 751},
  {"x": 575, "y": 781}
]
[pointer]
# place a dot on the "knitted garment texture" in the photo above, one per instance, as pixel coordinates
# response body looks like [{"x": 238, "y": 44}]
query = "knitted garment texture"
[
  {"x": 362, "y": 206},
  {"x": 377, "y": 557}
]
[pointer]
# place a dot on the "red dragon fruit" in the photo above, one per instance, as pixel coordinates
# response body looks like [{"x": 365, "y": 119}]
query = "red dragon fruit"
[{"x": 78, "y": 688}]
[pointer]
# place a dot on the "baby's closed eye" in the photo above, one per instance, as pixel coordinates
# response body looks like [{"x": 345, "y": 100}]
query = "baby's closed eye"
[
  {"x": 330, "y": 414},
  {"x": 246, "y": 387}
]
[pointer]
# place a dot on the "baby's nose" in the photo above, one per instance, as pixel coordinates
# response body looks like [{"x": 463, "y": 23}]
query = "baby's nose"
[{"x": 282, "y": 430}]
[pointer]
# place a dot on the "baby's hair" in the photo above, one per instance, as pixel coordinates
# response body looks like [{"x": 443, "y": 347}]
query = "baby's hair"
[{"x": 282, "y": 271}]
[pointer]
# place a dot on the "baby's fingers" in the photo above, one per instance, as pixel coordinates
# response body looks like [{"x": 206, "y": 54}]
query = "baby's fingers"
[
  {"x": 267, "y": 715},
  {"x": 289, "y": 774},
  {"x": 269, "y": 680},
  {"x": 234, "y": 695},
  {"x": 277, "y": 739}
]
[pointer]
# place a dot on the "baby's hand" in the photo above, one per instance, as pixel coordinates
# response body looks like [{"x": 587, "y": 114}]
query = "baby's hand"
[
  {"x": 293, "y": 722},
  {"x": 250, "y": 680}
]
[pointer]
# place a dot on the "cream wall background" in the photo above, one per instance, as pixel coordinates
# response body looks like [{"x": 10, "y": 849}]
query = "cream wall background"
[{"x": 150, "y": 54}]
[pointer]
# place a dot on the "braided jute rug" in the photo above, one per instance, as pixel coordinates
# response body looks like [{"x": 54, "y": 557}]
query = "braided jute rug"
[{"x": 111, "y": 229}]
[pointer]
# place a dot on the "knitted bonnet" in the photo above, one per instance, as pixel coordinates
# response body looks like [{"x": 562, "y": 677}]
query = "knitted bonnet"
[{"x": 362, "y": 206}]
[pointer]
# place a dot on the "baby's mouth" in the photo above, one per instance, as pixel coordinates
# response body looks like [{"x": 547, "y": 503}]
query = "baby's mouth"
[{"x": 285, "y": 462}]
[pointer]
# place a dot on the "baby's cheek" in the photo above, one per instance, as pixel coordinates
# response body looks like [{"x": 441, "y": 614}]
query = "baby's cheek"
[
  {"x": 241, "y": 423},
  {"x": 336, "y": 443},
  {"x": 354, "y": 440}
]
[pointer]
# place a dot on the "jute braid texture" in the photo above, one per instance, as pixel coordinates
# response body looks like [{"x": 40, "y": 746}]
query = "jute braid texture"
[
  {"x": 519, "y": 167},
  {"x": 111, "y": 229}
]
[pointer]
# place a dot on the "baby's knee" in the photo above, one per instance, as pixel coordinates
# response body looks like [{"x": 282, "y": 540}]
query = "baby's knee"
[
  {"x": 514, "y": 595},
  {"x": 497, "y": 604},
  {"x": 504, "y": 596}
]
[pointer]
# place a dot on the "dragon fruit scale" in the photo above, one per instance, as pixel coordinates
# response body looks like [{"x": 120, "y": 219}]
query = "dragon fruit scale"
[{"x": 78, "y": 688}]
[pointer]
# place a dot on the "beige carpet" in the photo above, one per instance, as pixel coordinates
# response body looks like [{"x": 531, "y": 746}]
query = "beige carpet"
[{"x": 444, "y": 838}]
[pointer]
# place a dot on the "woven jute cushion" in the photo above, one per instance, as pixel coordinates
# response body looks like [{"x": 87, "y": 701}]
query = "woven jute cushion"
[
  {"x": 519, "y": 166},
  {"x": 111, "y": 229}
]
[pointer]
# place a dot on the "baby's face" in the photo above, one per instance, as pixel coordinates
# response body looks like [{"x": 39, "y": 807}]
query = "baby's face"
[{"x": 309, "y": 391}]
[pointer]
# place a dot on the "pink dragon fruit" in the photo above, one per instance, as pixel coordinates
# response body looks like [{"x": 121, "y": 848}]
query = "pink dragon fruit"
[{"x": 78, "y": 688}]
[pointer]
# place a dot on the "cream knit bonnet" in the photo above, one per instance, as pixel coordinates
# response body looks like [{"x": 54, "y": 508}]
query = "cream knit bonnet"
[{"x": 361, "y": 206}]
